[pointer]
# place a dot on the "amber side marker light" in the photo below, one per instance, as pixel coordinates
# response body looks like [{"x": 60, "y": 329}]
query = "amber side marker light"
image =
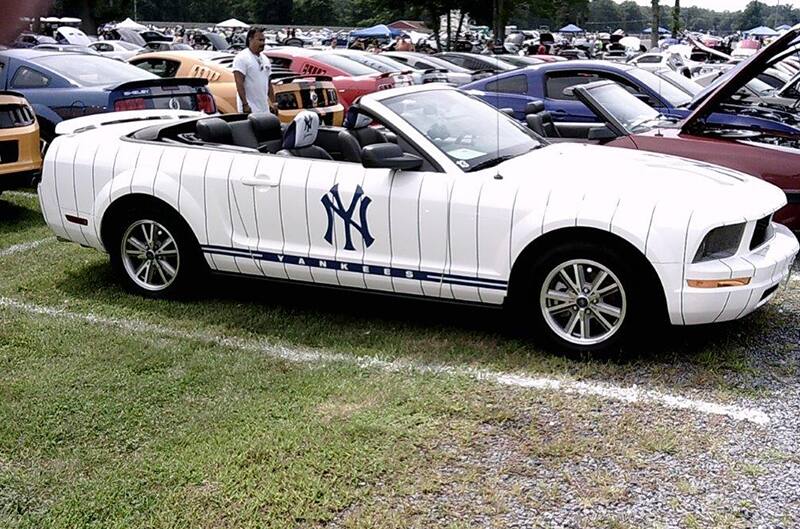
[{"x": 718, "y": 283}]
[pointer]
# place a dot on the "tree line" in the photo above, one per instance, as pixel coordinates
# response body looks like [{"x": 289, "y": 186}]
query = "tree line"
[{"x": 593, "y": 15}]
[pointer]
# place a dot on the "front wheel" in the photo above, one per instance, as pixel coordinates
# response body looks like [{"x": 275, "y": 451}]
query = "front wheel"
[
  {"x": 582, "y": 297},
  {"x": 154, "y": 254}
]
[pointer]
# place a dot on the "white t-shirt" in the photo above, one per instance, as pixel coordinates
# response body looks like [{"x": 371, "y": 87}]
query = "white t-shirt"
[{"x": 256, "y": 70}]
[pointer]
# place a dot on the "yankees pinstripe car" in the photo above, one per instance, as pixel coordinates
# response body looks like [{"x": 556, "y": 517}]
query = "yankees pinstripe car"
[{"x": 448, "y": 198}]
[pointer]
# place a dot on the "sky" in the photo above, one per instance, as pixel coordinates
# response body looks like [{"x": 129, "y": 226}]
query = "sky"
[{"x": 719, "y": 5}]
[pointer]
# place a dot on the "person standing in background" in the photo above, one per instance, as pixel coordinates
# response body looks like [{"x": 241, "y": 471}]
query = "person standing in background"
[{"x": 251, "y": 72}]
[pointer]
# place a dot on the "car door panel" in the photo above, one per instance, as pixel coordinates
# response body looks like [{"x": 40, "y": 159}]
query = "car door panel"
[
  {"x": 404, "y": 221},
  {"x": 219, "y": 213},
  {"x": 434, "y": 194},
  {"x": 378, "y": 255},
  {"x": 322, "y": 254},
  {"x": 348, "y": 242},
  {"x": 294, "y": 215}
]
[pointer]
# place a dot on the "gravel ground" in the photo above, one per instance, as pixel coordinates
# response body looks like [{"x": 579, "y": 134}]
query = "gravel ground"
[{"x": 575, "y": 462}]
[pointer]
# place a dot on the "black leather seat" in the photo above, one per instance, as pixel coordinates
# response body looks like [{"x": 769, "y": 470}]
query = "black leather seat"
[
  {"x": 357, "y": 135},
  {"x": 542, "y": 124},
  {"x": 300, "y": 135},
  {"x": 267, "y": 130},
  {"x": 214, "y": 130}
]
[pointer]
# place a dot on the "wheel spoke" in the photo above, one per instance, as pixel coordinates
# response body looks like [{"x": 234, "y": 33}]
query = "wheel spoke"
[
  {"x": 570, "y": 282},
  {"x": 560, "y": 296},
  {"x": 168, "y": 268},
  {"x": 556, "y": 309},
  {"x": 610, "y": 289},
  {"x": 160, "y": 271},
  {"x": 598, "y": 281},
  {"x": 148, "y": 275},
  {"x": 143, "y": 268},
  {"x": 162, "y": 253},
  {"x": 573, "y": 321},
  {"x": 611, "y": 310},
  {"x": 135, "y": 253},
  {"x": 580, "y": 277},
  {"x": 585, "y": 316},
  {"x": 603, "y": 321},
  {"x": 136, "y": 243},
  {"x": 169, "y": 242}
]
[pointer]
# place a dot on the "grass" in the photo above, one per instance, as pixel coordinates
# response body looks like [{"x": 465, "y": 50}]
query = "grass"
[{"x": 106, "y": 427}]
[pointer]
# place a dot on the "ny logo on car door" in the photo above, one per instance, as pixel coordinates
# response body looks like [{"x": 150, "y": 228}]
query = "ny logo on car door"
[{"x": 333, "y": 204}]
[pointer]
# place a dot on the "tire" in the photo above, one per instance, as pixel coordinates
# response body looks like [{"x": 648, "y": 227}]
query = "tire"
[
  {"x": 594, "y": 315},
  {"x": 154, "y": 253},
  {"x": 47, "y": 133}
]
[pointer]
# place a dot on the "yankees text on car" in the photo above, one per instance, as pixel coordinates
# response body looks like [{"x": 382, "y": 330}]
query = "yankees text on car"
[{"x": 416, "y": 195}]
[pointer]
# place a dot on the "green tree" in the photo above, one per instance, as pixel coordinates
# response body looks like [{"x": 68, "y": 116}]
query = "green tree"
[
  {"x": 676, "y": 19},
  {"x": 632, "y": 18},
  {"x": 752, "y": 16},
  {"x": 604, "y": 15}
]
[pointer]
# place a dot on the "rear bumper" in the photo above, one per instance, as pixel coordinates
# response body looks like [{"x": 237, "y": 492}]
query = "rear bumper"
[
  {"x": 27, "y": 163},
  {"x": 768, "y": 267}
]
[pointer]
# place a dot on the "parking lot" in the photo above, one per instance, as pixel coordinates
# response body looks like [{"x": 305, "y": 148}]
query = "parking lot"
[{"x": 260, "y": 404}]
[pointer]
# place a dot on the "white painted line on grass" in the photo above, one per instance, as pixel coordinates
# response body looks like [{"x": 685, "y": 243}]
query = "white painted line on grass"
[
  {"x": 632, "y": 394},
  {"x": 24, "y": 246}
]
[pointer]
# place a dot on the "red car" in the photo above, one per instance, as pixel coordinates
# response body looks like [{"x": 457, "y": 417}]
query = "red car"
[
  {"x": 351, "y": 79},
  {"x": 773, "y": 155}
]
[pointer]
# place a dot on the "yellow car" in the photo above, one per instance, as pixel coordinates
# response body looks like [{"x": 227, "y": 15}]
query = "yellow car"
[
  {"x": 291, "y": 92},
  {"x": 20, "y": 155}
]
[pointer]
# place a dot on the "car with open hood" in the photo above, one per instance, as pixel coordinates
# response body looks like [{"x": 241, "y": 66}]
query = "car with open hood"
[
  {"x": 417, "y": 196},
  {"x": 625, "y": 121}
]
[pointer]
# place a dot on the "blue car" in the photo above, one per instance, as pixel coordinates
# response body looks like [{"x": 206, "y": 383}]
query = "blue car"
[
  {"x": 547, "y": 82},
  {"x": 64, "y": 85}
]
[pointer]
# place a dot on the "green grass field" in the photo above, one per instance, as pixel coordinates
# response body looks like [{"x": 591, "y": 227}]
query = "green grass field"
[{"x": 149, "y": 425}]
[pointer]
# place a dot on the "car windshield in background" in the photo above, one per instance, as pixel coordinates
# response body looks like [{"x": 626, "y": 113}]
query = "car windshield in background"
[
  {"x": 626, "y": 108},
  {"x": 470, "y": 132},
  {"x": 436, "y": 62},
  {"x": 685, "y": 84},
  {"x": 392, "y": 63},
  {"x": 348, "y": 66},
  {"x": 128, "y": 46},
  {"x": 93, "y": 70},
  {"x": 369, "y": 62},
  {"x": 674, "y": 95}
]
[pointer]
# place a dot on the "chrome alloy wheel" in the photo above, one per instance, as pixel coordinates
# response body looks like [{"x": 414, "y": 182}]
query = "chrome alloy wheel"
[
  {"x": 150, "y": 255},
  {"x": 583, "y": 302}
]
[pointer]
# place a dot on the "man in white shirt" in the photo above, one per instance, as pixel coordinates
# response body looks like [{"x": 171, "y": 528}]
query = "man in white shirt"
[{"x": 251, "y": 71}]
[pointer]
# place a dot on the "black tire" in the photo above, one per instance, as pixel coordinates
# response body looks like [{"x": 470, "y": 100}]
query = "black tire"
[
  {"x": 188, "y": 263},
  {"x": 530, "y": 303},
  {"x": 47, "y": 133}
]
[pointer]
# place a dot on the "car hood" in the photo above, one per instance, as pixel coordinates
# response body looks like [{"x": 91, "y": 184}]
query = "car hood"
[
  {"x": 709, "y": 99},
  {"x": 614, "y": 172}
]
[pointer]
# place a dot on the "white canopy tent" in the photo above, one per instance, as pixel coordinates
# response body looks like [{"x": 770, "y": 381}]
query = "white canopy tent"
[
  {"x": 130, "y": 24},
  {"x": 233, "y": 23}
]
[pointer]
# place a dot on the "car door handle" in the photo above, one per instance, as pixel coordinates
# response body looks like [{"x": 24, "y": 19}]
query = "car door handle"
[
  {"x": 560, "y": 111},
  {"x": 260, "y": 180}
]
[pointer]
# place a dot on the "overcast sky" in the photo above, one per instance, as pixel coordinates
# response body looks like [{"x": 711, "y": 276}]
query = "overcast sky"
[{"x": 719, "y": 5}]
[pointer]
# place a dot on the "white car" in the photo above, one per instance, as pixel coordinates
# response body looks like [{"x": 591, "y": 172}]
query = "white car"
[
  {"x": 116, "y": 49},
  {"x": 658, "y": 61},
  {"x": 587, "y": 244}
]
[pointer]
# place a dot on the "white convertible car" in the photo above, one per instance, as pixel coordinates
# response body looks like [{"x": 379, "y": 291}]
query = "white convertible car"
[{"x": 426, "y": 191}]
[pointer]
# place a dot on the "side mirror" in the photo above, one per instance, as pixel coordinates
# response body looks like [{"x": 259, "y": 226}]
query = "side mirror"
[
  {"x": 644, "y": 98},
  {"x": 388, "y": 156},
  {"x": 601, "y": 134}
]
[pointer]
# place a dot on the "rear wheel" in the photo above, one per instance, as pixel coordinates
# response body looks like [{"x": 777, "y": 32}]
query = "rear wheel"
[
  {"x": 582, "y": 298},
  {"x": 154, "y": 253}
]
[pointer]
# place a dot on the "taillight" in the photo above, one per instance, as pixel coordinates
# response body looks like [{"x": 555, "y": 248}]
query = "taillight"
[
  {"x": 205, "y": 103},
  {"x": 137, "y": 103}
]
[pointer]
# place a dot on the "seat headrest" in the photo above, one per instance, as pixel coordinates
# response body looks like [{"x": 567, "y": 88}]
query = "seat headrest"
[
  {"x": 214, "y": 130},
  {"x": 355, "y": 120},
  {"x": 302, "y": 131},
  {"x": 534, "y": 107},
  {"x": 265, "y": 126}
]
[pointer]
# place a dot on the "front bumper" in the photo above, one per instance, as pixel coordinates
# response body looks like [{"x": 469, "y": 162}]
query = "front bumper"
[{"x": 768, "y": 267}]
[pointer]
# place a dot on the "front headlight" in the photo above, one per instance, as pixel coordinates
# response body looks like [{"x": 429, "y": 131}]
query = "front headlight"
[{"x": 720, "y": 243}]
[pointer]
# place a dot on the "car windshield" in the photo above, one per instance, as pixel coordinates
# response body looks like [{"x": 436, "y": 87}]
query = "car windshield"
[
  {"x": 436, "y": 62},
  {"x": 344, "y": 64},
  {"x": 683, "y": 82},
  {"x": 672, "y": 94},
  {"x": 388, "y": 61},
  {"x": 369, "y": 62},
  {"x": 128, "y": 45},
  {"x": 93, "y": 70},
  {"x": 626, "y": 108},
  {"x": 457, "y": 124}
]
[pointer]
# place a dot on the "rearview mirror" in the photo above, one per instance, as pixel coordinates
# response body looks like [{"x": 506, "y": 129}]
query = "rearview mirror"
[
  {"x": 601, "y": 134},
  {"x": 388, "y": 156}
]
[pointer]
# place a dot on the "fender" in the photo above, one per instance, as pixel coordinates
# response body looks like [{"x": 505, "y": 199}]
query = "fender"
[
  {"x": 140, "y": 181},
  {"x": 46, "y": 113}
]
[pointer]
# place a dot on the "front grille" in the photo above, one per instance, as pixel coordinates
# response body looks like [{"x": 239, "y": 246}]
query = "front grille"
[
  {"x": 12, "y": 116},
  {"x": 762, "y": 233},
  {"x": 9, "y": 151}
]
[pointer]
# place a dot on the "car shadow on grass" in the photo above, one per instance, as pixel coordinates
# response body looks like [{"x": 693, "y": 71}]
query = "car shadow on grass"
[
  {"x": 735, "y": 355},
  {"x": 14, "y": 217}
]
